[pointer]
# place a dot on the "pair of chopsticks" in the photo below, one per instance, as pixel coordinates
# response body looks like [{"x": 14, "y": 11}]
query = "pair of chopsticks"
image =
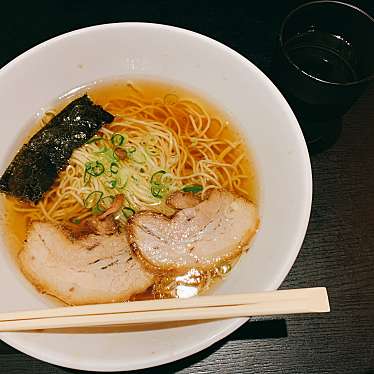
[{"x": 306, "y": 300}]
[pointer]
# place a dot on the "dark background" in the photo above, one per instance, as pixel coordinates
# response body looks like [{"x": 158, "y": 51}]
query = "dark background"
[{"x": 338, "y": 251}]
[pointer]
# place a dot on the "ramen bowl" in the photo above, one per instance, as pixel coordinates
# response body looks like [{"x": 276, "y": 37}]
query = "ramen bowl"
[{"x": 234, "y": 85}]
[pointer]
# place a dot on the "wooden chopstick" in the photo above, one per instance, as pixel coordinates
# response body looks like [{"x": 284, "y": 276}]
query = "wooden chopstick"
[{"x": 308, "y": 300}]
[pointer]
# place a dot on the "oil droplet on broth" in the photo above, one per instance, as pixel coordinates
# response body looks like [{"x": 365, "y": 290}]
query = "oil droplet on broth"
[{"x": 191, "y": 283}]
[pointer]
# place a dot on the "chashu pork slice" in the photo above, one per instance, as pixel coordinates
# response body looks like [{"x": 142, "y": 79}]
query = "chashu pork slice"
[
  {"x": 182, "y": 200},
  {"x": 95, "y": 269},
  {"x": 215, "y": 230}
]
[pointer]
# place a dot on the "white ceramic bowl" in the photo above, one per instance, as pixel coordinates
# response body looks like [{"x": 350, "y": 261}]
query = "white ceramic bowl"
[{"x": 217, "y": 73}]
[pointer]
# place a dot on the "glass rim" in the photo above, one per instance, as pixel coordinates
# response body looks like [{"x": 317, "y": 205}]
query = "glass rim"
[{"x": 312, "y": 3}]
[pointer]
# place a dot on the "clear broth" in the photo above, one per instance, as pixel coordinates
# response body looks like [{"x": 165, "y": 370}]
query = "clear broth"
[{"x": 188, "y": 284}]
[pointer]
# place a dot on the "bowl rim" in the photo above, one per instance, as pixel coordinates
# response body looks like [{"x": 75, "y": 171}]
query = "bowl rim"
[{"x": 295, "y": 246}]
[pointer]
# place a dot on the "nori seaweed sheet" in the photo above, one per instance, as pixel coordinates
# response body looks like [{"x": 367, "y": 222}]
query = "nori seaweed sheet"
[{"x": 36, "y": 166}]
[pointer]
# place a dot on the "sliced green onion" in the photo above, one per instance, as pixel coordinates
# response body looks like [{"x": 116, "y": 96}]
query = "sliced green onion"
[
  {"x": 94, "y": 139},
  {"x": 114, "y": 168},
  {"x": 115, "y": 156},
  {"x": 105, "y": 203},
  {"x": 156, "y": 177},
  {"x": 128, "y": 212},
  {"x": 117, "y": 139},
  {"x": 93, "y": 199},
  {"x": 76, "y": 221},
  {"x": 112, "y": 183},
  {"x": 156, "y": 191},
  {"x": 95, "y": 168},
  {"x": 194, "y": 188},
  {"x": 96, "y": 211},
  {"x": 130, "y": 150}
]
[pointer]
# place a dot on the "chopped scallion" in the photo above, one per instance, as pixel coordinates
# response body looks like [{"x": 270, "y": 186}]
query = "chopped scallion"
[
  {"x": 131, "y": 149},
  {"x": 194, "y": 188},
  {"x": 95, "y": 168},
  {"x": 156, "y": 177},
  {"x": 105, "y": 203},
  {"x": 128, "y": 212},
  {"x": 117, "y": 140},
  {"x": 93, "y": 199},
  {"x": 112, "y": 183},
  {"x": 156, "y": 191},
  {"x": 96, "y": 211},
  {"x": 114, "y": 168}
]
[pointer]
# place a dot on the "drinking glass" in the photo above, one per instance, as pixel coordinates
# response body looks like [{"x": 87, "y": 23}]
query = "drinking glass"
[{"x": 323, "y": 62}]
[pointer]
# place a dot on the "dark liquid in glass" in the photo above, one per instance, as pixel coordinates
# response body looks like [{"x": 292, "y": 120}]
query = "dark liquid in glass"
[
  {"x": 328, "y": 58},
  {"x": 322, "y": 55},
  {"x": 322, "y": 63}
]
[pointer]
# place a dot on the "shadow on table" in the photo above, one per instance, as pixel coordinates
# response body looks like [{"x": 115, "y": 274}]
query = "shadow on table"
[
  {"x": 330, "y": 131},
  {"x": 263, "y": 329}
]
